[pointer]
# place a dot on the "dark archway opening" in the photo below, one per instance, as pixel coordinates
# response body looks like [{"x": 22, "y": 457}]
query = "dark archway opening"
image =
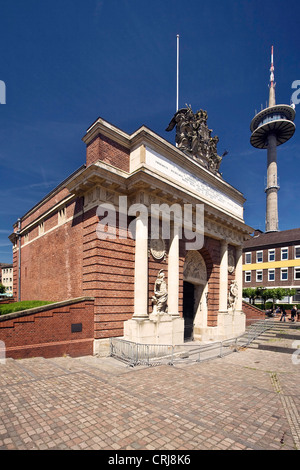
[{"x": 188, "y": 310}]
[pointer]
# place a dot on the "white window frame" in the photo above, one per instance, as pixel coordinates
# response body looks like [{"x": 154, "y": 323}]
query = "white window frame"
[
  {"x": 270, "y": 251},
  {"x": 262, "y": 256},
  {"x": 296, "y": 297},
  {"x": 250, "y": 254},
  {"x": 259, "y": 271},
  {"x": 287, "y": 249},
  {"x": 269, "y": 272},
  {"x": 247, "y": 273},
  {"x": 296, "y": 268},
  {"x": 281, "y": 271},
  {"x": 295, "y": 247}
]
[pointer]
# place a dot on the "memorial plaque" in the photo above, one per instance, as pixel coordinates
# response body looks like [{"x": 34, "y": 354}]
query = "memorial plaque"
[{"x": 76, "y": 327}]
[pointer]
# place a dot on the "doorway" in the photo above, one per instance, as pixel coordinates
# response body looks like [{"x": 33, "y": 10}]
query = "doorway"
[{"x": 188, "y": 310}]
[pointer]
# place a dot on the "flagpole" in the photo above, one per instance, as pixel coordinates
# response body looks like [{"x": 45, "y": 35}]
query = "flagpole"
[{"x": 177, "y": 85}]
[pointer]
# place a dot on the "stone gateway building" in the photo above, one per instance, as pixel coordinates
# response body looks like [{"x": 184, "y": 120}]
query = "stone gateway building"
[{"x": 114, "y": 230}]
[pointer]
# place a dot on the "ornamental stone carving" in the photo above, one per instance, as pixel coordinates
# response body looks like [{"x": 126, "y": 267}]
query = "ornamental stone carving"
[
  {"x": 231, "y": 262},
  {"x": 157, "y": 248},
  {"x": 233, "y": 294},
  {"x": 194, "y": 137},
  {"x": 160, "y": 297},
  {"x": 194, "y": 269}
]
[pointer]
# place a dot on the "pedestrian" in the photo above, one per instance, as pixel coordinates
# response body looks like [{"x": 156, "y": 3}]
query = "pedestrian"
[
  {"x": 293, "y": 313},
  {"x": 283, "y": 314}
]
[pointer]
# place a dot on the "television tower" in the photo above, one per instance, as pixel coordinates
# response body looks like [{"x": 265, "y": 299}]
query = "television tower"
[{"x": 270, "y": 128}]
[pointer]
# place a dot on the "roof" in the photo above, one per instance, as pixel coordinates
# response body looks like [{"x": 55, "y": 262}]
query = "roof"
[{"x": 273, "y": 238}]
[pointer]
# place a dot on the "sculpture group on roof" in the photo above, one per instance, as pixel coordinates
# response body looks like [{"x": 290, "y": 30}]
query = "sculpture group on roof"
[{"x": 194, "y": 138}]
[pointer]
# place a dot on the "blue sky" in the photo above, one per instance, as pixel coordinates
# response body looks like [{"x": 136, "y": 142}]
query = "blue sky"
[{"x": 65, "y": 63}]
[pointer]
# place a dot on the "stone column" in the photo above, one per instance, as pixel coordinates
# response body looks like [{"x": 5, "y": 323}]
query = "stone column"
[
  {"x": 173, "y": 274},
  {"x": 223, "y": 295},
  {"x": 141, "y": 270},
  {"x": 239, "y": 277}
]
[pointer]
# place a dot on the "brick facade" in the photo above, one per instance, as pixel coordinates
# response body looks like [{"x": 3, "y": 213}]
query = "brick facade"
[
  {"x": 108, "y": 275},
  {"x": 51, "y": 262},
  {"x": 275, "y": 241},
  {"x": 104, "y": 149}
]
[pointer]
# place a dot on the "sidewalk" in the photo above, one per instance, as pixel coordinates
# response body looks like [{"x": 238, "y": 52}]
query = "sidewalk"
[{"x": 246, "y": 400}]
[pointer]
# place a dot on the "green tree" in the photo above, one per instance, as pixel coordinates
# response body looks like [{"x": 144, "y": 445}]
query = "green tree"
[
  {"x": 277, "y": 293},
  {"x": 264, "y": 295},
  {"x": 249, "y": 293},
  {"x": 2, "y": 289}
]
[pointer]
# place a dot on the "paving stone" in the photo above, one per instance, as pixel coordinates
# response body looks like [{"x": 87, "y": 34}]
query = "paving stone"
[{"x": 246, "y": 400}]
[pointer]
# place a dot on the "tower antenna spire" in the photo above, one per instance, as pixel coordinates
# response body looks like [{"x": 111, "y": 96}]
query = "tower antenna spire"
[
  {"x": 271, "y": 127},
  {"x": 272, "y": 100}
]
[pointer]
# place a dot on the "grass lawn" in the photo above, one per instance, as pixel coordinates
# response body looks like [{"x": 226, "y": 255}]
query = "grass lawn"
[{"x": 24, "y": 305}]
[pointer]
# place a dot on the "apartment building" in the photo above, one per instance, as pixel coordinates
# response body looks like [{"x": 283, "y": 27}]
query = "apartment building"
[
  {"x": 7, "y": 277},
  {"x": 272, "y": 260}
]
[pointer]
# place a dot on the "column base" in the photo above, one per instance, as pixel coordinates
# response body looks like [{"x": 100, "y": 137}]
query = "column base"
[{"x": 156, "y": 329}]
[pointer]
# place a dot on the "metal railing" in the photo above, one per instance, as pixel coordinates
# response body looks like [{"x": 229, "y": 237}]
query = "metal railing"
[{"x": 157, "y": 354}]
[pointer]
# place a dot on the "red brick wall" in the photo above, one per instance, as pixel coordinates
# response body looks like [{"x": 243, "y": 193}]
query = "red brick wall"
[
  {"x": 108, "y": 275},
  {"x": 104, "y": 149},
  {"x": 51, "y": 264},
  {"x": 47, "y": 331},
  {"x": 252, "y": 313},
  {"x": 8, "y": 300},
  {"x": 211, "y": 255}
]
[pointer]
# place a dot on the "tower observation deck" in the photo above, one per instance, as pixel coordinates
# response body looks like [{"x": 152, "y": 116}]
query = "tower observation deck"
[{"x": 271, "y": 127}]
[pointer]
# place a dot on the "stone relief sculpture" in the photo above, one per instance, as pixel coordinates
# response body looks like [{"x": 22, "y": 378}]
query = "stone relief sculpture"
[
  {"x": 233, "y": 294},
  {"x": 194, "y": 137},
  {"x": 194, "y": 268},
  {"x": 231, "y": 262},
  {"x": 157, "y": 248},
  {"x": 160, "y": 298}
]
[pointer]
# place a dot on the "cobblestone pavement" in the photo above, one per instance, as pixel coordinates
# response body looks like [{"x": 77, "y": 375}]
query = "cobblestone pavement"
[{"x": 246, "y": 400}]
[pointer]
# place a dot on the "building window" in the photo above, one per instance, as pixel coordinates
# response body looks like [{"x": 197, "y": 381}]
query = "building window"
[
  {"x": 296, "y": 297},
  {"x": 259, "y": 276},
  {"x": 297, "y": 252},
  {"x": 271, "y": 255},
  {"x": 271, "y": 274},
  {"x": 248, "y": 258},
  {"x": 297, "y": 273},
  {"x": 284, "y": 253},
  {"x": 284, "y": 274},
  {"x": 247, "y": 276},
  {"x": 259, "y": 256}
]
